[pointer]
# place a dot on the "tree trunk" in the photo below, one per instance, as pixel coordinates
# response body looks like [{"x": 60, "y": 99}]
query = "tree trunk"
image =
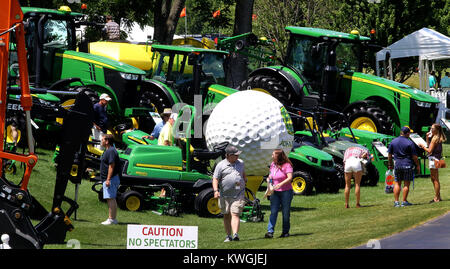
[
  {"x": 236, "y": 63},
  {"x": 166, "y": 19}
]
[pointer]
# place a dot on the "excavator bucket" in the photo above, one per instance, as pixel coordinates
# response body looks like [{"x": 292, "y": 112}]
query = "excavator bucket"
[{"x": 74, "y": 135}]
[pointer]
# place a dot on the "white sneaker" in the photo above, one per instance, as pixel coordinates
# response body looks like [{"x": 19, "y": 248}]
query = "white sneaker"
[{"x": 110, "y": 221}]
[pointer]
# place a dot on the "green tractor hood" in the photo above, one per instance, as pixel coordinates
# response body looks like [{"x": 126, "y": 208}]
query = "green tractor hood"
[
  {"x": 59, "y": 12},
  {"x": 338, "y": 148},
  {"x": 312, "y": 156},
  {"x": 154, "y": 160},
  {"x": 391, "y": 85},
  {"x": 321, "y": 33},
  {"x": 100, "y": 61}
]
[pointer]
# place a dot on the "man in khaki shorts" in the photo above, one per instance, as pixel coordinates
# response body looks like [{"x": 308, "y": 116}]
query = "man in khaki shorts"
[{"x": 229, "y": 181}]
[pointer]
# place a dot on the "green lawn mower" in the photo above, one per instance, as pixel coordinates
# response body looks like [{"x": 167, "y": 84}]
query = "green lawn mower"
[
  {"x": 329, "y": 142},
  {"x": 174, "y": 179},
  {"x": 313, "y": 168}
]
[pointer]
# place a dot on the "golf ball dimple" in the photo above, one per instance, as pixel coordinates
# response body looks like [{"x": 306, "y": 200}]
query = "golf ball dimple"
[{"x": 256, "y": 123}]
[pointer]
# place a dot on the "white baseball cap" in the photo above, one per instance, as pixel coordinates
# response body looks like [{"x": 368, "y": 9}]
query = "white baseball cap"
[
  {"x": 174, "y": 116},
  {"x": 105, "y": 97}
]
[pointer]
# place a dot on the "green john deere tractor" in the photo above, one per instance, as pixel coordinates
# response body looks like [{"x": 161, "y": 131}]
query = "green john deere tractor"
[
  {"x": 328, "y": 65},
  {"x": 46, "y": 107},
  {"x": 56, "y": 65},
  {"x": 181, "y": 75}
]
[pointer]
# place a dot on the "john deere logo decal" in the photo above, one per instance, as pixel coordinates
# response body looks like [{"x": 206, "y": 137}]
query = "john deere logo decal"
[{"x": 287, "y": 120}]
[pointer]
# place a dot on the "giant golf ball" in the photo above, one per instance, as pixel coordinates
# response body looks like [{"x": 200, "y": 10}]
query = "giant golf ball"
[{"x": 254, "y": 122}]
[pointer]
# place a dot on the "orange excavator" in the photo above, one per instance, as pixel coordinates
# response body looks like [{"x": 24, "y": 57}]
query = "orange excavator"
[{"x": 17, "y": 205}]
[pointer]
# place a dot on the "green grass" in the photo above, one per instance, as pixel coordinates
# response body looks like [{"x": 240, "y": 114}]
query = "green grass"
[{"x": 317, "y": 221}]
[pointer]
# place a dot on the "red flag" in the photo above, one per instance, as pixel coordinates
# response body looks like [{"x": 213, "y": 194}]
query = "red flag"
[
  {"x": 216, "y": 13},
  {"x": 254, "y": 16},
  {"x": 183, "y": 13}
]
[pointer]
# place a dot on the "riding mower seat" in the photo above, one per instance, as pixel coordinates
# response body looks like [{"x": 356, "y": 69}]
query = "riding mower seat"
[
  {"x": 329, "y": 139},
  {"x": 204, "y": 154},
  {"x": 301, "y": 143},
  {"x": 303, "y": 140}
]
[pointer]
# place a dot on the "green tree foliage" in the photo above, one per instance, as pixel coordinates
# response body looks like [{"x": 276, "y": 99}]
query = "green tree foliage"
[
  {"x": 200, "y": 20},
  {"x": 273, "y": 16},
  {"x": 392, "y": 21}
]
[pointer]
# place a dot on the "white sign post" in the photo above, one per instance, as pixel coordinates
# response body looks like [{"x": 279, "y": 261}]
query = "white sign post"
[
  {"x": 417, "y": 139},
  {"x": 162, "y": 237}
]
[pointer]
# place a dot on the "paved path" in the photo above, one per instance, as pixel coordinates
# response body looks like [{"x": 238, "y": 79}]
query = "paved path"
[{"x": 434, "y": 234}]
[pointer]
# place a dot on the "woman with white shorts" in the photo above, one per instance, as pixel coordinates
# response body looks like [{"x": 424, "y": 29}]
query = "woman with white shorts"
[{"x": 353, "y": 169}]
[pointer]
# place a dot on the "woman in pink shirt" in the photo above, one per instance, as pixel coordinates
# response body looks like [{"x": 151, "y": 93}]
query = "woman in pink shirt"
[{"x": 280, "y": 177}]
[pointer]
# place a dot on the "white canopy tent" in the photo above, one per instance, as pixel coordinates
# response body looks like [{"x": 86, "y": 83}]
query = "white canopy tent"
[
  {"x": 425, "y": 43},
  {"x": 138, "y": 34}
]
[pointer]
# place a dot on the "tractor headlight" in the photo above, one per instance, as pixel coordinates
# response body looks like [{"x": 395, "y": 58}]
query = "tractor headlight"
[
  {"x": 129, "y": 76},
  {"x": 423, "y": 104},
  {"x": 312, "y": 159}
]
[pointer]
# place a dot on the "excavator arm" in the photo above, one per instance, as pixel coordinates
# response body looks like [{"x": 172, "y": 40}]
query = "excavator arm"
[{"x": 16, "y": 203}]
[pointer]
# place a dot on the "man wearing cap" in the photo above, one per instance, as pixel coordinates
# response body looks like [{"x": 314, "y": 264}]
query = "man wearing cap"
[
  {"x": 403, "y": 151},
  {"x": 229, "y": 181},
  {"x": 158, "y": 127},
  {"x": 166, "y": 135},
  {"x": 100, "y": 116}
]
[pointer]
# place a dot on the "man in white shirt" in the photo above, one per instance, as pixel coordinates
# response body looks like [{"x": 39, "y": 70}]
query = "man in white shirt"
[{"x": 166, "y": 135}]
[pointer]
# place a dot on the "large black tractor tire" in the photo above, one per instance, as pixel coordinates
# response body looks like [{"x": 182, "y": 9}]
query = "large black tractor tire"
[
  {"x": 100, "y": 196},
  {"x": 131, "y": 201},
  {"x": 340, "y": 174},
  {"x": 67, "y": 101},
  {"x": 302, "y": 183},
  {"x": 273, "y": 87},
  {"x": 334, "y": 186},
  {"x": 371, "y": 118},
  {"x": 155, "y": 100},
  {"x": 372, "y": 176},
  {"x": 206, "y": 205}
]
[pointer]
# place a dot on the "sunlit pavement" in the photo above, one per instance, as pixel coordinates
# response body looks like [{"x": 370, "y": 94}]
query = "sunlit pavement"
[{"x": 434, "y": 234}]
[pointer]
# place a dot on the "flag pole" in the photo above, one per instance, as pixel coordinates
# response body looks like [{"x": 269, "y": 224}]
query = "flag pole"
[{"x": 185, "y": 26}]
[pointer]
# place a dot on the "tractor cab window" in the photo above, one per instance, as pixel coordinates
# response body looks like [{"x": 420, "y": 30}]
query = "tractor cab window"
[
  {"x": 308, "y": 56},
  {"x": 57, "y": 34},
  {"x": 347, "y": 56},
  {"x": 174, "y": 71},
  {"x": 213, "y": 71},
  {"x": 180, "y": 71}
]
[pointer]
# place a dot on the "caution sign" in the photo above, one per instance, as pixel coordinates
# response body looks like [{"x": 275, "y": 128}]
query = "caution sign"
[{"x": 162, "y": 237}]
